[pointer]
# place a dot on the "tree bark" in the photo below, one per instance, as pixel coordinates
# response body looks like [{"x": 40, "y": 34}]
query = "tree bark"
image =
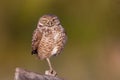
[{"x": 22, "y": 74}]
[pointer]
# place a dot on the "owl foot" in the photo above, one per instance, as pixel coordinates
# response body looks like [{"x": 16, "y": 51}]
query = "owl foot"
[{"x": 51, "y": 72}]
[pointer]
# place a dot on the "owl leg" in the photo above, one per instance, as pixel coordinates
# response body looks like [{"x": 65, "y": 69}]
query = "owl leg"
[{"x": 50, "y": 71}]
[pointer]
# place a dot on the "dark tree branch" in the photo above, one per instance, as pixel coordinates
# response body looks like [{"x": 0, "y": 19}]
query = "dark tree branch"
[{"x": 21, "y": 74}]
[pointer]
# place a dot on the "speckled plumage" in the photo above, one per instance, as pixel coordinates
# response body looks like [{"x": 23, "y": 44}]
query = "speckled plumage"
[
  {"x": 45, "y": 39},
  {"x": 48, "y": 38}
]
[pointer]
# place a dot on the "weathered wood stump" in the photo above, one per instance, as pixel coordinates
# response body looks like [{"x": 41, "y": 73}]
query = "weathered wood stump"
[{"x": 22, "y": 74}]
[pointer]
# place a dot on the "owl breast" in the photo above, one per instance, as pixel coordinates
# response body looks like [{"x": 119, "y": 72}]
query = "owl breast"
[{"x": 51, "y": 43}]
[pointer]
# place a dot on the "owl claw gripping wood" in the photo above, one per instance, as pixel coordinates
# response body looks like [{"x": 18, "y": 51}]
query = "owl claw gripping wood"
[{"x": 48, "y": 39}]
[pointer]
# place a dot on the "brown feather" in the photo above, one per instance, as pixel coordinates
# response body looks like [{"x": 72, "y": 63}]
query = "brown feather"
[{"x": 37, "y": 35}]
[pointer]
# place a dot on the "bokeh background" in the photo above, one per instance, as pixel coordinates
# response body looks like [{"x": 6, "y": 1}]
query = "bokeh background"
[{"x": 92, "y": 51}]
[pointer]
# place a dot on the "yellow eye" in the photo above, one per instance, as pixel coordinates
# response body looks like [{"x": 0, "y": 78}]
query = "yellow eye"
[
  {"x": 55, "y": 21},
  {"x": 43, "y": 21}
]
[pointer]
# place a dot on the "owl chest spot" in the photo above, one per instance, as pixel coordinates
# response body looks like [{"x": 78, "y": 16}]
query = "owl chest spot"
[
  {"x": 49, "y": 41},
  {"x": 48, "y": 44}
]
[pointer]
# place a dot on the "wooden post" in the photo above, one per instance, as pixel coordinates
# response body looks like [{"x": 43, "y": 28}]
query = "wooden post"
[{"x": 22, "y": 74}]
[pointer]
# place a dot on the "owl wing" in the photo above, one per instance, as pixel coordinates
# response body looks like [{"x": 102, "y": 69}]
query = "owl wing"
[
  {"x": 60, "y": 42},
  {"x": 36, "y": 38},
  {"x": 64, "y": 39}
]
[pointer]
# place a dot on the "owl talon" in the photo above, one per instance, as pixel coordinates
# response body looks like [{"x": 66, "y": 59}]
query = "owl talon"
[{"x": 51, "y": 72}]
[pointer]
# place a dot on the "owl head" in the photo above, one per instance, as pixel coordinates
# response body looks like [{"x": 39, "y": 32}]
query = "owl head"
[{"x": 48, "y": 20}]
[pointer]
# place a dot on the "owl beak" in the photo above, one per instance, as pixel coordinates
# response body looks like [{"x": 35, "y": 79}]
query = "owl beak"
[{"x": 50, "y": 24}]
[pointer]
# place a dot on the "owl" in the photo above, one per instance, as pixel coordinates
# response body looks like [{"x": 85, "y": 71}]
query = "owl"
[{"x": 48, "y": 40}]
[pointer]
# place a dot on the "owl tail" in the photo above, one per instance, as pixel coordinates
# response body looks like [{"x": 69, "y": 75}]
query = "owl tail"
[{"x": 34, "y": 52}]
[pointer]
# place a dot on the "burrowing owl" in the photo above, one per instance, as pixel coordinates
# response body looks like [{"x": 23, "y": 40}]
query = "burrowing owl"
[{"x": 48, "y": 39}]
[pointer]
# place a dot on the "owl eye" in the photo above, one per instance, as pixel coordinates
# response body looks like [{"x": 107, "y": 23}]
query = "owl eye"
[
  {"x": 43, "y": 21},
  {"x": 56, "y": 21}
]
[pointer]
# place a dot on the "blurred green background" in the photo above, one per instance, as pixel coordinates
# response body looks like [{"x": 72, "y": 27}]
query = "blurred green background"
[{"x": 92, "y": 51}]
